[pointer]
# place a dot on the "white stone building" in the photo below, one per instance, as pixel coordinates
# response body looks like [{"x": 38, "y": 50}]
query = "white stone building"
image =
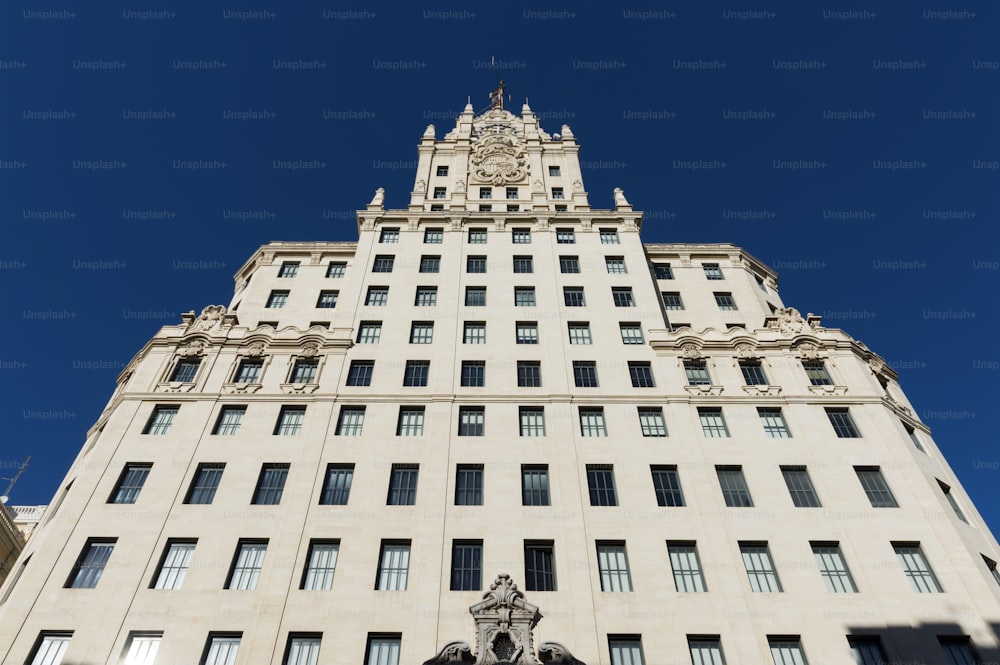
[{"x": 671, "y": 465}]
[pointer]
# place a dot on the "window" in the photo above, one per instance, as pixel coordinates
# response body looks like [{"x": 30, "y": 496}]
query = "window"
[
  {"x": 394, "y": 565},
  {"x": 760, "y": 568},
  {"x": 90, "y": 564},
  {"x": 786, "y": 651},
  {"x": 914, "y": 438},
  {"x": 50, "y": 648},
  {"x": 475, "y": 264},
  {"x": 800, "y": 487},
  {"x": 304, "y": 370},
  {"x": 142, "y": 648},
  {"x": 674, "y": 327},
  {"x": 351, "y": 420},
  {"x": 684, "y": 561},
  {"x": 421, "y": 332},
  {"x": 185, "y": 371},
  {"x": 529, "y": 374},
  {"x": 273, "y": 324},
  {"x": 585, "y": 373},
  {"x": 246, "y": 565},
  {"x": 383, "y": 263},
  {"x": 725, "y": 302},
  {"x": 601, "y": 485},
  {"x": 302, "y": 649},
  {"x": 469, "y": 485},
  {"x": 876, "y": 489},
  {"x": 321, "y": 324},
  {"x": 592, "y": 421},
  {"x": 753, "y": 373},
  {"x": 440, "y": 192},
  {"x": 843, "y": 424},
  {"x": 560, "y": 208},
  {"x": 523, "y": 264},
  {"x": 667, "y": 486},
  {"x": 377, "y": 296},
  {"x": 631, "y": 333},
  {"x": 230, "y": 418},
  {"x": 539, "y": 565},
  {"x": 520, "y": 236},
  {"x": 389, "y": 236},
  {"x": 437, "y": 207},
  {"x": 471, "y": 420},
  {"x": 959, "y": 650},
  {"x": 569, "y": 264},
  {"x": 415, "y": 373},
  {"x": 573, "y": 296},
  {"x": 697, "y": 373},
  {"x": 474, "y": 332},
  {"x": 403, "y": 485},
  {"x": 867, "y": 650},
  {"x": 473, "y": 373},
  {"x": 651, "y": 421},
  {"x": 951, "y": 501},
  {"x": 554, "y": 171},
  {"x": 477, "y": 236},
  {"x": 277, "y": 299},
  {"x": 512, "y": 208},
  {"x": 475, "y": 296},
  {"x": 174, "y": 564},
  {"x": 337, "y": 485},
  {"x": 579, "y": 333},
  {"x": 524, "y": 296},
  {"x": 430, "y": 264},
  {"x": 206, "y": 481},
  {"x": 833, "y": 569},
  {"x": 662, "y": 271},
  {"x": 712, "y": 271},
  {"x": 615, "y": 265},
  {"x": 161, "y": 419},
  {"x": 672, "y": 300},
  {"x": 290, "y": 420},
  {"x": 486, "y": 192},
  {"x": 609, "y": 237},
  {"x": 916, "y": 568},
  {"x": 360, "y": 373},
  {"x": 336, "y": 269},
  {"x": 426, "y": 296},
  {"x": 773, "y": 423},
  {"x": 713, "y": 425},
  {"x": 466, "y": 565},
  {"x": 557, "y": 193},
  {"x": 382, "y": 650},
  {"x": 248, "y": 371},
  {"x": 441, "y": 171},
  {"x": 511, "y": 192},
  {"x": 433, "y": 236},
  {"x": 641, "y": 374},
  {"x": 221, "y": 648},
  {"x": 532, "y": 421},
  {"x": 534, "y": 485},
  {"x": 411, "y": 421},
  {"x": 525, "y": 332},
  {"x": 816, "y": 373},
  {"x": 565, "y": 237},
  {"x": 622, "y": 297},
  {"x": 270, "y": 485},
  {"x": 734, "y": 487},
  {"x": 130, "y": 483},
  {"x": 613, "y": 564},
  {"x": 706, "y": 650}
]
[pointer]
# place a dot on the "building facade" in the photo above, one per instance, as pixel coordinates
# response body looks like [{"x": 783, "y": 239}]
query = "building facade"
[{"x": 669, "y": 464}]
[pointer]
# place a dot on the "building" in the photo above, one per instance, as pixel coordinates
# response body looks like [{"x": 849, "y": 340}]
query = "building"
[
  {"x": 12, "y": 539},
  {"x": 671, "y": 465}
]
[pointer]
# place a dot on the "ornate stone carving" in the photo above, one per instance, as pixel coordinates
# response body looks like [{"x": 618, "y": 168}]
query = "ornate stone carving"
[
  {"x": 256, "y": 349},
  {"x": 212, "y": 319},
  {"x": 310, "y": 350},
  {"x": 299, "y": 388},
  {"x": 556, "y": 654},
  {"x": 459, "y": 185},
  {"x": 537, "y": 186},
  {"x": 498, "y": 159},
  {"x": 379, "y": 199},
  {"x": 691, "y": 351},
  {"x": 421, "y": 186},
  {"x": 193, "y": 348},
  {"x": 807, "y": 351},
  {"x": 745, "y": 351},
  {"x": 876, "y": 365},
  {"x": 241, "y": 388},
  {"x": 790, "y": 322},
  {"x": 453, "y": 652},
  {"x": 577, "y": 185}
]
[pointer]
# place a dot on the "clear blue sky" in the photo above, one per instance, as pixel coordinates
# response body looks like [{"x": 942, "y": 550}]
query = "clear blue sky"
[{"x": 857, "y": 152}]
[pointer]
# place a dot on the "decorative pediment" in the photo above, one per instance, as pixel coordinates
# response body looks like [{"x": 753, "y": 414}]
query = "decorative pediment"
[{"x": 789, "y": 321}]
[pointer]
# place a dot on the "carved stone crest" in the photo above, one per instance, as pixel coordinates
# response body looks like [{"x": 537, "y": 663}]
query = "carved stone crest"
[
  {"x": 498, "y": 159},
  {"x": 691, "y": 351},
  {"x": 745, "y": 351},
  {"x": 808, "y": 351},
  {"x": 310, "y": 350},
  {"x": 256, "y": 349},
  {"x": 193, "y": 348}
]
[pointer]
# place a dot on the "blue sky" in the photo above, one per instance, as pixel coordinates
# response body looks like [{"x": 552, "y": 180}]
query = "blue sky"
[{"x": 856, "y": 151}]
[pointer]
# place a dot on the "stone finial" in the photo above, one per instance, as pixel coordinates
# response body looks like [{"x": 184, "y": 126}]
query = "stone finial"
[
  {"x": 429, "y": 132},
  {"x": 621, "y": 203},
  {"x": 379, "y": 199},
  {"x": 567, "y": 133}
]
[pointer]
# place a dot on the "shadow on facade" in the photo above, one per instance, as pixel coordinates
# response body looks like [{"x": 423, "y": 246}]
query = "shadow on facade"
[{"x": 926, "y": 643}]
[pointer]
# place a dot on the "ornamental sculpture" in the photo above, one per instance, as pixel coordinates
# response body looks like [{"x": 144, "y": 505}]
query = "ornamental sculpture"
[{"x": 498, "y": 159}]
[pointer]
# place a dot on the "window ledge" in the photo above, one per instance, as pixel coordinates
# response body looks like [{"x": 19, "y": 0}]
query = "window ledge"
[
  {"x": 828, "y": 390},
  {"x": 771, "y": 391},
  {"x": 299, "y": 388},
  {"x": 703, "y": 390},
  {"x": 174, "y": 387},
  {"x": 240, "y": 388}
]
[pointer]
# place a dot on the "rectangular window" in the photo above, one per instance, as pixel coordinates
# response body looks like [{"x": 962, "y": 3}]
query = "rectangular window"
[
  {"x": 277, "y": 299},
  {"x": 532, "y": 420},
  {"x": 433, "y": 236},
  {"x": 529, "y": 374},
  {"x": 321, "y": 324},
  {"x": 441, "y": 171},
  {"x": 469, "y": 485},
  {"x": 415, "y": 373},
  {"x": 867, "y": 650},
  {"x": 466, "y": 565},
  {"x": 569, "y": 264},
  {"x": 475, "y": 264},
  {"x": 511, "y": 192},
  {"x": 565, "y": 237},
  {"x": 440, "y": 192},
  {"x": 185, "y": 371},
  {"x": 383, "y": 263},
  {"x": 90, "y": 564},
  {"x": 337, "y": 485},
  {"x": 816, "y": 373},
  {"x": 437, "y": 207},
  {"x": 651, "y": 421},
  {"x": 477, "y": 236},
  {"x": 601, "y": 485},
  {"x": 833, "y": 569},
  {"x": 411, "y": 421},
  {"x": 523, "y": 264},
  {"x": 290, "y": 420},
  {"x": 672, "y": 300},
  {"x": 486, "y": 192},
  {"x": 426, "y": 296},
  {"x": 389, "y": 236},
  {"x": 585, "y": 373},
  {"x": 554, "y": 171},
  {"x": 161, "y": 419},
  {"x": 753, "y": 373},
  {"x": 524, "y": 296},
  {"x": 246, "y": 566},
  {"x": 475, "y": 296},
  {"x": 662, "y": 271},
  {"x": 641, "y": 374},
  {"x": 351, "y": 420},
  {"x": 773, "y": 423},
  {"x": 675, "y": 327},
  {"x": 712, "y": 271},
  {"x": 951, "y": 501},
  {"x": 403, "y": 485},
  {"x": 473, "y": 373},
  {"x": 382, "y": 650},
  {"x": 609, "y": 237},
  {"x": 800, "y": 487},
  {"x": 725, "y": 302},
  {"x": 612, "y": 561},
  {"x": 706, "y": 650},
  {"x": 631, "y": 333},
  {"x": 302, "y": 649},
  {"x": 205, "y": 483},
  {"x": 876, "y": 489},
  {"x": 684, "y": 561},
  {"x": 229, "y": 420},
  {"x": 959, "y": 650},
  {"x": 914, "y": 438},
  {"x": 474, "y": 332},
  {"x": 592, "y": 421},
  {"x": 270, "y": 485},
  {"x": 174, "y": 564},
  {"x": 557, "y": 193},
  {"x": 713, "y": 425},
  {"x": 760, "y": 568},
  {"x": 696, "y": 372},
  {"x": 393, "y": 566},
  {"x": 430, "y": 264},
  {"x": 560, "y": 208},
  {"x": 916, "y": 568},
  {"x": 141, "y": 648},
  {"x": 304, "y": 370},
  {"x": 734, "y": 487},
  {"x": 615, "y": 265},
  {"x": 471, "y": 420},
  {"x": 521, "y": 236},
  {"x": 539, "y": 565},
  {"x": 130, "y": 483},
  {"x": 377, "y": 296},
  {"x": 622, "y": 297},
  {"x": 843, "y": 424},
  {"x": 421, "y": 332},
  {"x": 534, "y": 485},
  {"x": 579, "y": 332},
  {"x": 667, "y": 486},
  {"x": 786, "y": 651},
  {"x": 336, "y": 269},
  {"x": 321, "y": 564},
  {"x": 360, "y": 372},
  {"x": 248, "y": 371},
  {"x": 526, "y": 332},
  {"x": 50, "y": 648}
]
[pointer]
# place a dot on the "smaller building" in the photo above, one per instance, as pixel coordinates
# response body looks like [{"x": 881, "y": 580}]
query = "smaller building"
[{"x": 12, "y": 541}]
